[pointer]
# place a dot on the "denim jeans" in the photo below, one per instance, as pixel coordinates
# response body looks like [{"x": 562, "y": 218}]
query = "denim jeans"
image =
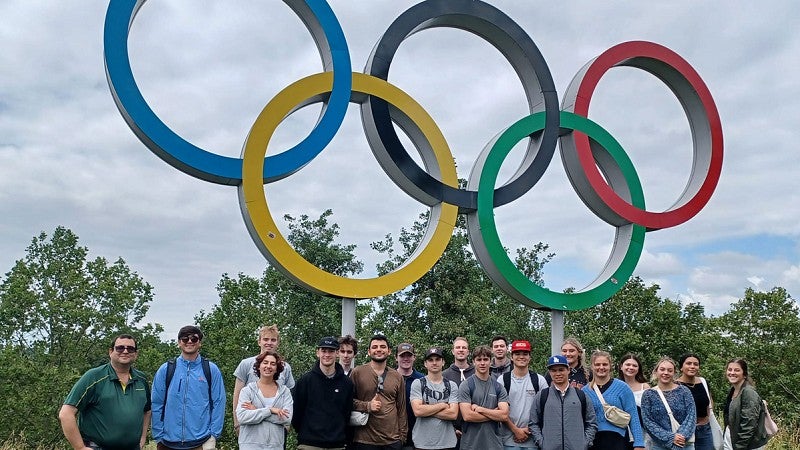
[{"x": 702, "y": 438}]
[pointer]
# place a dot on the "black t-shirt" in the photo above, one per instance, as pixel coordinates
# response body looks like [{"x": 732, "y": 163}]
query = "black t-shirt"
[{"x": 701, "y": 400}]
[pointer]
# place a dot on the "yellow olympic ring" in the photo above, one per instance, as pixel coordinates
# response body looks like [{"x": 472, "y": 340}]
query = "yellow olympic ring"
[{"x": 264, "y": 230}]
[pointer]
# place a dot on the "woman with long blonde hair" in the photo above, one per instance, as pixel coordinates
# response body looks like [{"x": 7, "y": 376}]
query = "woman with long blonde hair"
[
  {"x": 668, "y": 410},
  {"x": 573, "y": 351}
]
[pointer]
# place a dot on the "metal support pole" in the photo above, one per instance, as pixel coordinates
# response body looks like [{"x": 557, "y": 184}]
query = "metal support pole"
[
  {"x": 348, "y": 317},
  {"x": 556, "y": 331}
]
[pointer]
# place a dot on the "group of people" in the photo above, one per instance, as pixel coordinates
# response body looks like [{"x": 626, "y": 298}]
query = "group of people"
[{"x": 493, "y": 402}]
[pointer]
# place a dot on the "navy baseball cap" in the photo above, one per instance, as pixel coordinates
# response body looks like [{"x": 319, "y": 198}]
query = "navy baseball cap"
[
  {"x": 557, "y": 360},
  {"x": 329, "y": 342}
]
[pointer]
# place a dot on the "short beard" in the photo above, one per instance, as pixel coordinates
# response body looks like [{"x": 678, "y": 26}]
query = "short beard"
[{"x": 379, "y": 360}]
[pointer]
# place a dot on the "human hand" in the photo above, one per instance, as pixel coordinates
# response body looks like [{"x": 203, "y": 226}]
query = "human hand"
[
  {"x": 375, "y": 404},
  {"x": 521, "y": 434},
  {"x": 679, "y": 440},
  {"x": 280, "y": 412},
  {"x": 248, "y": 405}
]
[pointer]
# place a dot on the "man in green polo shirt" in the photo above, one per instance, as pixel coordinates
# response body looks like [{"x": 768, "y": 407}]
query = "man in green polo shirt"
[{"x": 109, "y": 406}]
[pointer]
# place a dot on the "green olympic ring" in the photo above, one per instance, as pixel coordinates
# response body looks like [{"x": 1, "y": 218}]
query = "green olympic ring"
[{"x": 628, "y": 243}]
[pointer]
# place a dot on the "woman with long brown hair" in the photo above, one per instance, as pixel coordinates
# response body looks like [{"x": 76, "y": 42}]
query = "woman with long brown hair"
[
  {"x": 631, "y": 371},
  {"x": 744, "y": 410}
]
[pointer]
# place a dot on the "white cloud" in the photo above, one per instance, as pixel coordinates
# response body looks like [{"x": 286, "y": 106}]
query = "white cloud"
[{"x": 67, "y": 157}]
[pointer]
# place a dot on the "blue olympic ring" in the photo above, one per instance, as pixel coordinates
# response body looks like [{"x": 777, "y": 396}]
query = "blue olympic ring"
[{"x": 188, "y": 158}]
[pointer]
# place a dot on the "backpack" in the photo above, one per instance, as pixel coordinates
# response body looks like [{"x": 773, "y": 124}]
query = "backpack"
[
  {"x": 171, "y": 373},
  {"x": 534, "y": 381},
  {"x": 424, "y": 384},
  {"x": 543, "y": 400}
]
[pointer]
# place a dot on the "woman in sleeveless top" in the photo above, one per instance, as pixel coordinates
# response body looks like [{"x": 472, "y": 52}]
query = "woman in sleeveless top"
[
  {"x": 630, "y": 371},
  {"x": 690, "y": 377}
]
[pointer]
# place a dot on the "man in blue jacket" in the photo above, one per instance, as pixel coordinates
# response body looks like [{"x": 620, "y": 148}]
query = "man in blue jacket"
[
  {"x": 323, "y": 399},
  {"x": 188, "y": 398}
]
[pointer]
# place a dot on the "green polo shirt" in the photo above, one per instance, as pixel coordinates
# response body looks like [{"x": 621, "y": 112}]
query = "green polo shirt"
[{"x": 108, "y": 414}]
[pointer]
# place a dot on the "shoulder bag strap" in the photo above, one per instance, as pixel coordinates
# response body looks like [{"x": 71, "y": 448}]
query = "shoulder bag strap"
[
  {"x": 599, "y": 394},
  {"x": 673, "y": 421}
]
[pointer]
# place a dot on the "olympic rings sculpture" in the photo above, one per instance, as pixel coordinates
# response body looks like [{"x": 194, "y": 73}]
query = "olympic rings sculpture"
[{"x": 596, "y": 164}]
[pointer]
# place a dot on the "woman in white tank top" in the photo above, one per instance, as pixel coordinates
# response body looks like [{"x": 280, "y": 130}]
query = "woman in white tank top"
[{"x": 630, "y": 371}]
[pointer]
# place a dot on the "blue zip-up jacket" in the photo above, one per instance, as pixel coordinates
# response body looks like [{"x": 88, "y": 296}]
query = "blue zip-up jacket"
[{"x": 187, "y": 418}]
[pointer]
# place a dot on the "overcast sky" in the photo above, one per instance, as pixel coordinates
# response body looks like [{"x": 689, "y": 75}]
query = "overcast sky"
[{"x": 207, "y": 68}]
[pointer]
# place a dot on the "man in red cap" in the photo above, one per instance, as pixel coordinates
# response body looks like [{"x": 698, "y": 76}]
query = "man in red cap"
[{"x": 522, "y": 385}]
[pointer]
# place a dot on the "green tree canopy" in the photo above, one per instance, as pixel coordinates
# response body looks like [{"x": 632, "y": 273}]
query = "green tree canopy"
[{"x": 58, "y": 312}]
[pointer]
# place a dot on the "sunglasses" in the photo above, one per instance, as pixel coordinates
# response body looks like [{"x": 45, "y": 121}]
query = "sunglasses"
[
  {"x": 380, "y": 383},
  {"x": 123, "y": 348},
  {"x": 192, "y": 339}
]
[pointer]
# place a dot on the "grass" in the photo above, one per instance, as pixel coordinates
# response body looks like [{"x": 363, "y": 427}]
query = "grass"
[{"x": 786, "y": 439}]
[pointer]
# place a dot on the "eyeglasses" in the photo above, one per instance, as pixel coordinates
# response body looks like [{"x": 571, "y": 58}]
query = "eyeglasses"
[
  {"x": 123, "y": 348},
  {"x": 192, "y": 339}
]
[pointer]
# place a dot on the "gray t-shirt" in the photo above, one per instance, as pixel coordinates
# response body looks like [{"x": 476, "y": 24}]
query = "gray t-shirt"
[
  {"x": 432, "y": 432},
  {"x": 520, "y": 401},
  {"x": 482, "y": 435},
  {"x": 245, "y": 373}
]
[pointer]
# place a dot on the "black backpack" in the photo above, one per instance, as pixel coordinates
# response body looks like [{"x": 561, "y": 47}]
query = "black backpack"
[
  {"x": 534, "y": 381},
  {"x": 423, "y": 382},
  {"x": 171, "y": 373}
]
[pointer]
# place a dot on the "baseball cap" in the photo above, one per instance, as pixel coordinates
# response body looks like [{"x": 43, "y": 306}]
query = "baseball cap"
[
  {"x": 557, "y": 360},
  {"x": 434, "y": 351},
  {"x": 329, "y": 342},
  {"x": 520, "y": 346},
  {"x": 405, "y": 347}
]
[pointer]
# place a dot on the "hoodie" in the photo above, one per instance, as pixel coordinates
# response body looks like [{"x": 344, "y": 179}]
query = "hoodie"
[{"x": 322, "y": 408}]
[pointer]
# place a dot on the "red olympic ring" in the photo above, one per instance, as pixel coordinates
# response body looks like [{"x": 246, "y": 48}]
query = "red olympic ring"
[{"x": 704, "y": 123}]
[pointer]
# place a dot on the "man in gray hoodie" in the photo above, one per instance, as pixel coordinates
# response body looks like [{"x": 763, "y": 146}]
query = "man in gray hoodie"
[{"x": 562, "y": 418}]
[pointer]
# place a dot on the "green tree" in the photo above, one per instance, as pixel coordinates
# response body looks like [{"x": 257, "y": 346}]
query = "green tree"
[
  {"x": 637, "y": 320},
  {"x": 456, "y": 297},
  {"x": 58, "y": 312},
  {"x": 764, "y": 328},
  {"x": 247, "y": 303}
]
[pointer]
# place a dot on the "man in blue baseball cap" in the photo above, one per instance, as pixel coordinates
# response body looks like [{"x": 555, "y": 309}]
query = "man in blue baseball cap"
[{"x": 561, "y": 417}]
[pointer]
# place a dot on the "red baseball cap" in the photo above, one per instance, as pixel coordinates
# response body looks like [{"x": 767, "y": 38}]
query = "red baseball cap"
[{"x": 520, "y": 346}]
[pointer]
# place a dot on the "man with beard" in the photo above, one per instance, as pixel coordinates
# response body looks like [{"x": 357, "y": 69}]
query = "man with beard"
[
  {"x": 380, "y": 390},
  {"x": 323, "y": 399}
]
